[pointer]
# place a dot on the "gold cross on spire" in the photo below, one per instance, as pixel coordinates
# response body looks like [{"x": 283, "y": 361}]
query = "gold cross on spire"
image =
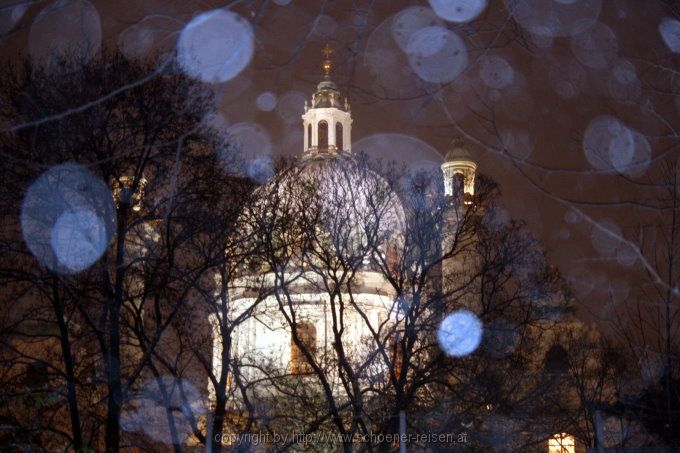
[
  {"x": 327, "y": 51},
  {"x": 327, "y": 64}
]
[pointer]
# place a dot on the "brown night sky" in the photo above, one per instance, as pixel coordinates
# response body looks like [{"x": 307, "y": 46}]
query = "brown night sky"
[{"x": 556, "y": 90}]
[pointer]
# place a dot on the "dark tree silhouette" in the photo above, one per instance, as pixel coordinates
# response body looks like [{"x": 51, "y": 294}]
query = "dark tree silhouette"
[{"x": 78, "y": 345}]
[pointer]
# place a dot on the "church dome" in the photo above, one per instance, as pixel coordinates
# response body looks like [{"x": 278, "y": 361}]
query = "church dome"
[
  {"x": 327, "y": 95},
  {"x": 458, "y": 167},
  {"x": 335, "y": 202},
  {"x": 457, "y": 154},
  {"x": 327, "y": 85},
  {"x": 345, "y": 185},
  {"x": 330, "y": 200}
]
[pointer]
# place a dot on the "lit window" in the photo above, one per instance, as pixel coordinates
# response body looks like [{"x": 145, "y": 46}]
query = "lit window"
[
  {"x": 562, "y": 443},
  {"x": 122, "y": 191},
  {"x": 307, "y": 334}
]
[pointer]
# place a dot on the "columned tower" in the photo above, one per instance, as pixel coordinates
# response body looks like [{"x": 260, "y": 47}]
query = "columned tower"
[
  {"x": 459, "y": 172},
  {"x": 328, "y": 121},
  {"x": 458, "y": 258}
]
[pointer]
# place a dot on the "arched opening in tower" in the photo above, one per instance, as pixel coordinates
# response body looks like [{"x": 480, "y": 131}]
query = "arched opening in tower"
[
  {"x": 323, "y": 135},
  {"x": 458, "y": 185},
  {"x": 309, "y": 136},
  {"x": 338, "y": 136}
]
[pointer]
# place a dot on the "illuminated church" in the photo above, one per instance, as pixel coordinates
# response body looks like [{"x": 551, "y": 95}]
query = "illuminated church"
[
  {"x": 290, "y": 330},
  {"x": 342, "y": 186}
]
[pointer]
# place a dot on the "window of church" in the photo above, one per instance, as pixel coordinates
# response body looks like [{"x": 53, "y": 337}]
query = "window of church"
[
  {"x": 393, "y": 260},
  {"x": 557, "y": 360},
  {"x": 323, "y": 135},
  {"x": 338, "y": 136},
  {"x": 306, "y": 332},
  {"x": 562, "y": 443}
]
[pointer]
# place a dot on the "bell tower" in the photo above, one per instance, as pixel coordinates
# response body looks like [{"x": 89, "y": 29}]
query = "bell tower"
[
  {"x": 459, "y": 172},
  {"x": 458, "y": 258},
  {"x": 327, "y": 121}
]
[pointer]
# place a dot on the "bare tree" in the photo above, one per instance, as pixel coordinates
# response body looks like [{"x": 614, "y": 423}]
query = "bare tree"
[
  {"x": 646, "y": 326},
  {"x": 141, "y": 129},
  {"x": 323, "y": 226}
]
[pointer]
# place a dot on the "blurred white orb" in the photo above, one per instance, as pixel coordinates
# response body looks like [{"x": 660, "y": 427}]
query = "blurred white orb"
[
  {"x": 151, "y": 36},
  {"x": 460, "y": 333},
  {"x": 436, "y": 54},
  {"x": 670, "y": 33},
  {"x": 496, "y": 72},
  {"x": 66, "y": 31},
  {"x": 596, "y": 47},
  {"x": 409, "y": 21},
  {"x": 458, "y": 10},
  {"x": 266, "y": 101},
  {"x": 68, "y": 218},
  {"x": 216, "y": 46},
  {"x": 624, "y": 72},
  {"x": 611, "y": 145},
  {"x": 261, "y": 169},
  {"x": 79, "y": 239},
  {"x": 555, "y": 18}
]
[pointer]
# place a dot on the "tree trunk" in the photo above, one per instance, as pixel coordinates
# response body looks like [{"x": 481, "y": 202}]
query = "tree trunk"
[
  {"x": 112, "y": 436},
  {"x": 71, "y": 395}
]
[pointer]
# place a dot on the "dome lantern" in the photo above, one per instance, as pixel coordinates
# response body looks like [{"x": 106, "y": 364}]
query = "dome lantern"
[
  {"x": 327, "y": 121},
  {"x": 459, "y": 171}
]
